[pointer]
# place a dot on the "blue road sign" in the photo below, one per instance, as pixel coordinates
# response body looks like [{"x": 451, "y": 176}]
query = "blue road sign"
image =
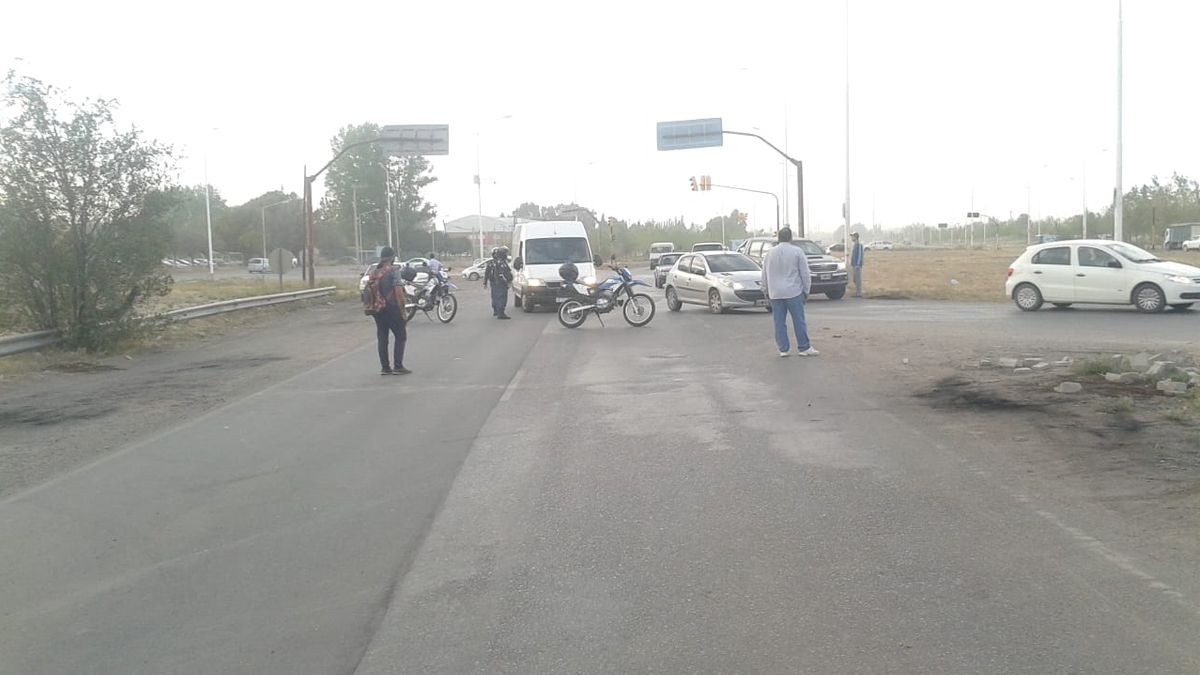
[{"x": 686, "y": 134}]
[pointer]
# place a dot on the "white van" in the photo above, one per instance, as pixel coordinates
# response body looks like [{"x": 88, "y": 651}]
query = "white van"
[
  {"x": 539, "y": 248},
  {"x": 657, "y": 249}
]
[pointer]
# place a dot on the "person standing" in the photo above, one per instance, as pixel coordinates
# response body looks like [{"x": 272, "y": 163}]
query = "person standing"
[
  {"x": 499, "y": 276},
  {"x": 391, "y": 318},
  {"x": 787, "y": 281},
  {"x": 856, "y": 263}
]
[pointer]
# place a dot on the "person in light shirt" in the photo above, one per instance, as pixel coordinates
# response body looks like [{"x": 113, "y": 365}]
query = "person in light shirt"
[{"x": 787, "y": 282}]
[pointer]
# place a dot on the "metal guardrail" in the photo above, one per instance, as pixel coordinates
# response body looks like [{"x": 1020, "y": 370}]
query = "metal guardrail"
[{"x": 15, "y": 344}]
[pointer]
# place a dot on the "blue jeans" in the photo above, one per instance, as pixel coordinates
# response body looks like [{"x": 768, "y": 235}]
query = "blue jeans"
[{"x": 779, "y": 312}]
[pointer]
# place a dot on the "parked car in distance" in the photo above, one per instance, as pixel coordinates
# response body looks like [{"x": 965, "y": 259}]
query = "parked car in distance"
[
  {"x": 475, "y": 271},
  {"x": 665, "y": 262},
  {"x": 1099, "y": 271},
  {"x": 880, "y": 246},
  {"x": 835, "y": 248},
  {"x": 259, "y": 266},
  {"x": 828, "y": 273},
  {"x": 1191, "y": 245},
  {"x": 719, "y": 280},
  {"x": 708, "y": 246}
]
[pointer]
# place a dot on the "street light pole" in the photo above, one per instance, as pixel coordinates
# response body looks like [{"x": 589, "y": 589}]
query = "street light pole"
[
  {"x": 1119, "y": 196},
  {"x": 761, "y": 192},
  {"x": 357, "y": 232},
  {"x": 264, "y": 223}
]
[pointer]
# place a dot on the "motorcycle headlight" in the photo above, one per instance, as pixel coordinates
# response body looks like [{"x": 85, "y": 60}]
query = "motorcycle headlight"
[
  {"x": 535, "y": 282},
  {"x": 1175, "y": 278}
]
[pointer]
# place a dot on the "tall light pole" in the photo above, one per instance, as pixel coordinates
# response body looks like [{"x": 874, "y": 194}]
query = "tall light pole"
[
  {"x": 264, "y": 223},
  {"x": 479, "y": 187},
  {"x": 357, "y": 231},
  {"x": 207, "y": 207},
  {"x": 846, "y": 207},
  {"x": 1118, "y": 192}
]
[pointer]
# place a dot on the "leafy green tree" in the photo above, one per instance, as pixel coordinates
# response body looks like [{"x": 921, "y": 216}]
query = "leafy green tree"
[
  {"x": 86, "y": 210},
  {"x": 364, "y": 167}
]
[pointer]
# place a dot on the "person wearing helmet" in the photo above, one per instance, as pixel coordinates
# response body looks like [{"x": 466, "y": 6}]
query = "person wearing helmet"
[
  {"x": 391, "y": 318},
  {"x": 499, "y": 276}
]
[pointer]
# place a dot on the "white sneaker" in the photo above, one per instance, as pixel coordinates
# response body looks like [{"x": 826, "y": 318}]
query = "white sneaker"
[
  {"x": 809, "y": 352},
  {"x": 784, "y": 355}
]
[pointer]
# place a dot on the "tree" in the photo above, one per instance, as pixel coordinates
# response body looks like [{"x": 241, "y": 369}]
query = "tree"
[
  {"x": 86, "y": 212},
  {"x": 363, "y": 167}
]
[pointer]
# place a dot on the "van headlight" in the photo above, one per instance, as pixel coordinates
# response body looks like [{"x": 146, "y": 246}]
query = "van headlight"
[
  {"x": 1175, "y": 278},
  {"x": 535, "y": 282},
  {"x": 588, "y": 281}
]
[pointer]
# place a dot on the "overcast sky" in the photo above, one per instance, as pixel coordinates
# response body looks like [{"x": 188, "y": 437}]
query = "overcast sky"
[{"x": 949, "y": 98}]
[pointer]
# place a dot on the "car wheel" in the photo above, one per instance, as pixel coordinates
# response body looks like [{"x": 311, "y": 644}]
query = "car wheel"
[
  {"x": 1061, "y": 305},
  {"x": 714, "y": 302},
  {"x": 1182, "y": 306},
  {"x": 1027, "y": 297},
  {"x": 527, "y": 304},
  {"x": 836, "y": 294},
  {"x": 673, "y": 302},
  {"x": 1149, "y": 298},
  {"x": 472, "y": 277}
]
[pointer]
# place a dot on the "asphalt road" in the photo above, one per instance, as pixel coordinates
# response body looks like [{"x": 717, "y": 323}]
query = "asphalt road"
[{"x": 670, "y": 499}]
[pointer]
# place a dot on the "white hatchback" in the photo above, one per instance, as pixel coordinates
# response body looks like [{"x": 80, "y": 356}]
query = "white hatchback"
[{"x": 1100, "y": 271}]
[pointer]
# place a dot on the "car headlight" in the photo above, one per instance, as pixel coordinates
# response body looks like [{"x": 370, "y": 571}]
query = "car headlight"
[
  {"x": 841, "y": 267},
  {"x": 535, "y": 282},
  {"x": 1175, "y": 278},
  {"x": 725, "y": 282},
  {"x": 739, "y": 286}
]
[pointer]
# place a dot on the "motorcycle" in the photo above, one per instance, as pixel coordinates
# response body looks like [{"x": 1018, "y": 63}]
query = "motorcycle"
[
  {"x": 436, "y": 295},
  {"x": 604, "y": 297}
]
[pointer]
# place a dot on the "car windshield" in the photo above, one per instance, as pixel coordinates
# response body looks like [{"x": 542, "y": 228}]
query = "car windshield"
[
  {"x": 557, "y": 250},
  {"x": 707, "y": 247},
  {"x": 731, "y": 262},
  {"x": 1132, "y": 253},
  {"x": 809, "y": 247}
]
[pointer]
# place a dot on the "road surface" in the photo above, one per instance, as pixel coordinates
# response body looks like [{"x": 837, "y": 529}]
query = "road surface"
[{"x": 668, "y": 499}]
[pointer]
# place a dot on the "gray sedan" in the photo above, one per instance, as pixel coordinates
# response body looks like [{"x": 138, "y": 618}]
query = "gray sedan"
[
  {"x": 665, "y": 262},
  {"x": 719, "y": 280}
]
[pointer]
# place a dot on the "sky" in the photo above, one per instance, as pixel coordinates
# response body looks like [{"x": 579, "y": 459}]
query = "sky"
[{"x": 954, "y": 105}]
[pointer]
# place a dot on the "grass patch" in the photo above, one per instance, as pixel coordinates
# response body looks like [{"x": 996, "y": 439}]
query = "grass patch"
[
  {"x": 1121, "y": 405},
  {"x": 1091, "y": 368}
]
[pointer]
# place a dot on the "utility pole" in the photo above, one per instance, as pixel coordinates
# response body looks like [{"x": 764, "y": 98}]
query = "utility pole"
[{"x": 1118, "y": 192}]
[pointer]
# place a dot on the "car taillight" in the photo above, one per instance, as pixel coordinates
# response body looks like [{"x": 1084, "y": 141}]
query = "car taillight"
[{"x": 1010, "y": 270}]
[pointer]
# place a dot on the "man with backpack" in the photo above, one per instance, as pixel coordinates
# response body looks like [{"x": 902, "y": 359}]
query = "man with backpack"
[
  {"x": 499, "y": 275},
  {"x": 383, "y": 299}
]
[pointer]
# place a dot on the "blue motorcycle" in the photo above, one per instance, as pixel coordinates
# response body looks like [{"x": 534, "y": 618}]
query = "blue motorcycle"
[{"x": 604, "y": 297}]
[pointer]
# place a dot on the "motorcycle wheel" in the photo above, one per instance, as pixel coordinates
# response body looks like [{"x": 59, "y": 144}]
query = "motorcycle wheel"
[
  {"x": 447, "y": 308},
  {"x": 412, "y": 311},
  {"x": 569, "y": 320},
  {"x": 639, "y": 310}
]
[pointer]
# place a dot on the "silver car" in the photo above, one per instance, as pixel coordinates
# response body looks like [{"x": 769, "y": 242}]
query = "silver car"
[{"x": 719, "y": 280}]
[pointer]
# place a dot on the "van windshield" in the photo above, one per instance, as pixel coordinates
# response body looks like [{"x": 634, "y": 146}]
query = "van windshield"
[
  {"x": 662, "y": 248},
  {"x": 557, "y": 250}
]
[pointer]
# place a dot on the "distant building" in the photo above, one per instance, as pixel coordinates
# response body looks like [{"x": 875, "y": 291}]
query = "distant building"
[{"x": 496, "y": 231}]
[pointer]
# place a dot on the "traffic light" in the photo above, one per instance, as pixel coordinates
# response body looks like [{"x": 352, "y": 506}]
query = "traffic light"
[
  {"x": 695, "y": 187},
  {"x": 972, "y": 214},
  {"x": 705, "y": 182}
]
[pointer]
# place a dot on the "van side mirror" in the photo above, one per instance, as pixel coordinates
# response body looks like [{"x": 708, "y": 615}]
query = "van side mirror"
[
  {"x": 518, "y": 263},
  {"x": 597, "y": 260}
]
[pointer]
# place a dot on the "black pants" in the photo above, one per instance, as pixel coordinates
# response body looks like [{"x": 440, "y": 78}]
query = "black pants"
[
  {"x": 499, "y": 298},
  {"x": 391, "y": 320}
]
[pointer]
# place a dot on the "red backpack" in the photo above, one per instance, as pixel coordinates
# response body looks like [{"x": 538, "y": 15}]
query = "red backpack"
[{"x": 373, "y": 301}]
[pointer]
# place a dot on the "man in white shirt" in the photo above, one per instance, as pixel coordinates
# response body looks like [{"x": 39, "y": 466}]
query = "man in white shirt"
[{"x": 787, "y": 281}]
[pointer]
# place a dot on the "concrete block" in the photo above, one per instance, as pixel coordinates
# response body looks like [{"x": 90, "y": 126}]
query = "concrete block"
[
  {"x": 1172, "y": 388},
  {"x": 985, "y": 363},
  {"x": 1040, "y": 365},
  {"x": 1141, "y": 361},
  {"x": 1008, "y": 363},
  {"x": 1160, "y": 368},
  {"x": 1069, "y": 388},
  {"x": 1064, "y": 362},
  {"x": 1022, "y": 371},
  {"x": 1112, "y": 377},
  {"x": 1031, "y": 362}
]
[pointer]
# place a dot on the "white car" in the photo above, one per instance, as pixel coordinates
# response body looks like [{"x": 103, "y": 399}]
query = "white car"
[
  {"x": 1191, "y": 245},
  {"x": 259, "y": 265},
  {"x": 880, "y": 246},
  {"x": 475, "y": 271},
  {"x": 1100, "y": 271}
]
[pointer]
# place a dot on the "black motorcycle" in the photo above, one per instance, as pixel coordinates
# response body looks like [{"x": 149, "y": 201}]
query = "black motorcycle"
[
  {"x": 436, "y": 295},
  {"x": 602, "y": 298}
]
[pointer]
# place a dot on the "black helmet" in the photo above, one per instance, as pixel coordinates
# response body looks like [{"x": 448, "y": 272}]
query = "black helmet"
[
  {"x": 408, "y": 273},
  {"x": 569, "y": 272},
  {"x": 502, "y": 251},
  {"x": 432, "y": 256}
]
